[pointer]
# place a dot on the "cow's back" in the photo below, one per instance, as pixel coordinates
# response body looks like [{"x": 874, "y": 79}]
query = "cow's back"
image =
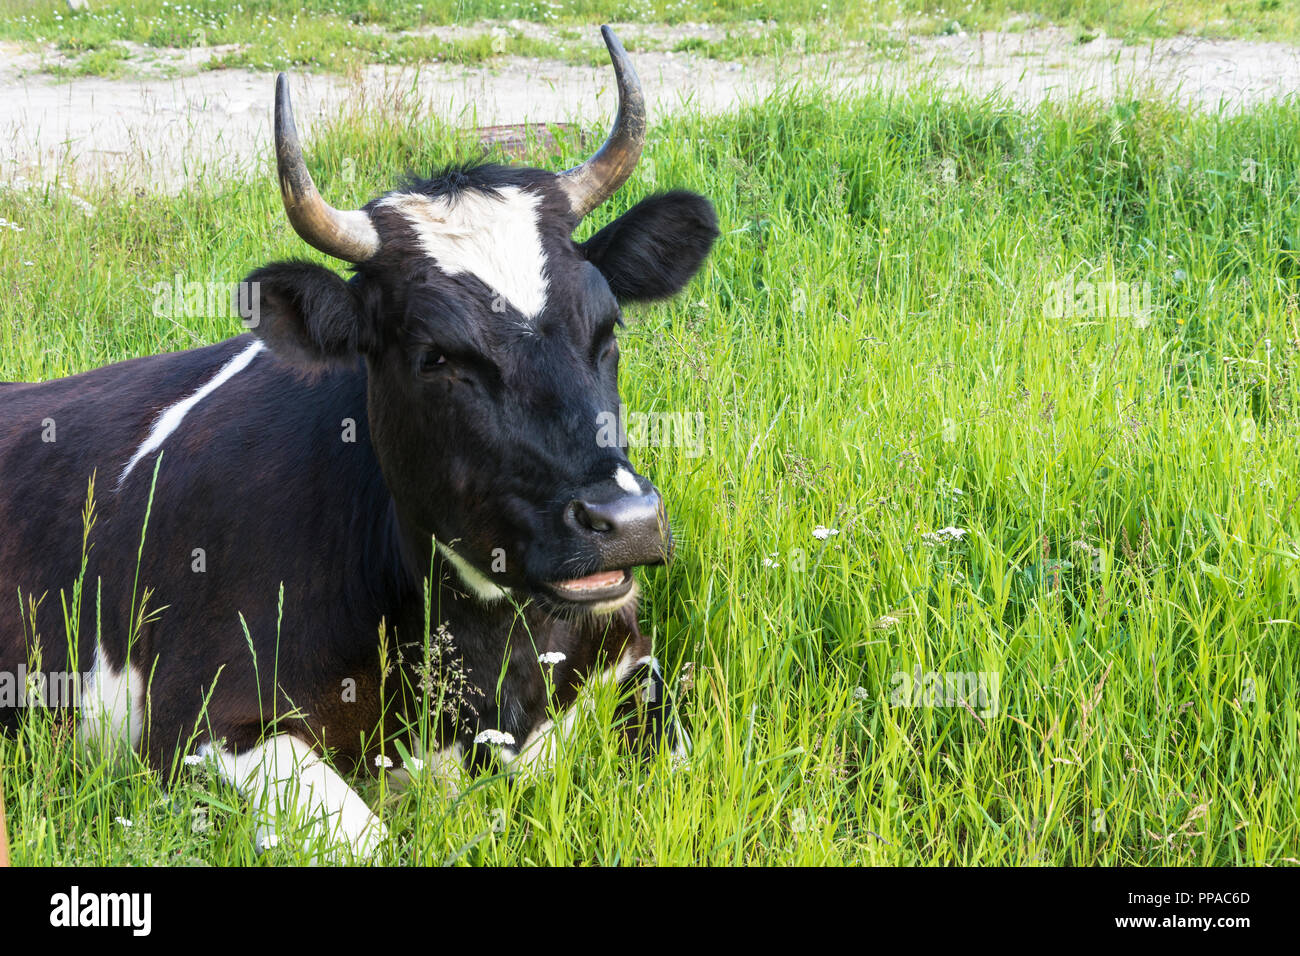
[
  {"x": 266, "y": 480},
  {"x": 56, "y": 438}
]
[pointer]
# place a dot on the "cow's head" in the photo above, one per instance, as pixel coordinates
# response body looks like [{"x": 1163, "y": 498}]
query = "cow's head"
[{"x": 489, "y": 339}]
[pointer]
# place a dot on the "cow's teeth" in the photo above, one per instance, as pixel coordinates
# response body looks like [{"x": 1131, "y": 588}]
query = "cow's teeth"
[{"x": 594, "y": 582}]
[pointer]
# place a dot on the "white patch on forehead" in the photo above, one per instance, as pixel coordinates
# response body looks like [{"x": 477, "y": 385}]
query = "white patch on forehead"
[
  {"x": 627, "y": 481},
  {"x": 493, "y": 237}
]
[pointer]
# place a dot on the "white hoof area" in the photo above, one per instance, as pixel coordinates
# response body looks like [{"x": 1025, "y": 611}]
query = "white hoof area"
[{"x": 296, "y": 793}]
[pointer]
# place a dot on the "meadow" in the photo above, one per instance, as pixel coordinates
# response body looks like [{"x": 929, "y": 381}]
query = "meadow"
[
  {"x": 997, "y": 399},
  {"x": 344, "y": 35}
]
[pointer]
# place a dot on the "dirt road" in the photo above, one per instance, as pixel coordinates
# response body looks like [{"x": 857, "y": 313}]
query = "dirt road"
[{"x": 156, "y": 132}]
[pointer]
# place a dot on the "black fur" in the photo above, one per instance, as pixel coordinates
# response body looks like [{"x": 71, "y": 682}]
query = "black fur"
[
  {"x": 307, "y": 314},
  {"x": 652, "y": 251},
  {"x": 332, "y": 488}
]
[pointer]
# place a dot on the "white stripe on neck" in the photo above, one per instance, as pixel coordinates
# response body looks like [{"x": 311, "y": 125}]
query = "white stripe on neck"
[{"x": 482, "y": 587}]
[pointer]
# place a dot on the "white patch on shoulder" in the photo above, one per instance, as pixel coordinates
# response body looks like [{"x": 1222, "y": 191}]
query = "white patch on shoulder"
[
  {"x": 171, "y": 417},
  {"x": 627, "y": 481},
  {"x": 112, "y": 705},
  {"x": 627, "y": 664},
  {"x": 493, "y": 237},
  {"x": 478, "y": 583},
  {"x": 283, "y": 777},
  {"x": 448, "y": 767}
]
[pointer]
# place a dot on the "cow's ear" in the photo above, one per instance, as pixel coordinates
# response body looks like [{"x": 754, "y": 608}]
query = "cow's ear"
[
  {"x": 303, "y": 312},
  {"x": 653, "y": 249}
]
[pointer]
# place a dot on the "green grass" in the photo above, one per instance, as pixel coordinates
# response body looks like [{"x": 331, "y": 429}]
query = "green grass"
[
  {"x": 108, "y": 60},
  {"x": 337, "y": 35},
  {"x": 870, "y": 350}
]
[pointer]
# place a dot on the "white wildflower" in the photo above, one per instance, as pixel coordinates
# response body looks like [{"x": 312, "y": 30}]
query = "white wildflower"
[
  {"x": 942, "y": 536},
  {"x": 770, "y": 561},
  {"x": 123, "y": 821},
  {"x": 860, "y": 693},
  {"x": 1095, "y": 552},
  {"x": 193, "y": 760},
  {"x": 497, "y": 738},
  {"x": 821, "y": 533},
  {"x": 945, "y": 487},
  {"x": 551, "y": 657},
  {"x": 383, "y": 761},
  {"x": 413, "y": 764}
]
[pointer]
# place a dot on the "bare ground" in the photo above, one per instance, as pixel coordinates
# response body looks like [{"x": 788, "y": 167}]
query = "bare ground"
[{"x": 155, "y": 132}]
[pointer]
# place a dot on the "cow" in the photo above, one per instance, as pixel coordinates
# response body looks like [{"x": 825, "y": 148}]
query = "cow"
[{"x": 389, "y": 492}]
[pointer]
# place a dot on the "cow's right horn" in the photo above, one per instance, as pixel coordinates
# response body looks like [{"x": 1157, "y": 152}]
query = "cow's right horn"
[{"x": 344, "y": 234}]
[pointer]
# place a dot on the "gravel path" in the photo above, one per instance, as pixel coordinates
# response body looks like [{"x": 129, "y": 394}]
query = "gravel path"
[{"x": 154, "y": 132}]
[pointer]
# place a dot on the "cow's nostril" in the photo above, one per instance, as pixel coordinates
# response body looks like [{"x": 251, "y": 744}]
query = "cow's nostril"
[
  {"x": 628, "y": 531},
  {"x": 589, "y": 518}
]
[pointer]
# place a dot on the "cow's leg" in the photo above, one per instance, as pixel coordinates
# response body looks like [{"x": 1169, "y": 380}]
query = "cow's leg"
[
  {"x": 446, "y": 769},
  {"x": 647, "y": 714},
  {"x": 537, "y": 755},
  {"x": 647, "y": 711},
  {"x": 282, "y": 775}
]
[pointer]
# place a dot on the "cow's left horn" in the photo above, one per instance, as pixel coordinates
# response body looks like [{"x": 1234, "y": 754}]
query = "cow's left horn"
[
  {"x": 598, "y": 178},
  {"x": 345, "y": 234}
]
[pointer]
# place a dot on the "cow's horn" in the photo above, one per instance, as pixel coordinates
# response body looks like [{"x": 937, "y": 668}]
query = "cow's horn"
[
  {"x": 345, "y": 234},
  {"x": 598, "y": 178}
]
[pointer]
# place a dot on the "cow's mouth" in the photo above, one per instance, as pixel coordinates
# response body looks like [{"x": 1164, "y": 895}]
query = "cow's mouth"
[{"x": 594, "y": 588}]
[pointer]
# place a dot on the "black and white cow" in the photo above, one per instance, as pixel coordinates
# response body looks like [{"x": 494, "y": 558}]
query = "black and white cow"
[{"x": 432, "y": 418}]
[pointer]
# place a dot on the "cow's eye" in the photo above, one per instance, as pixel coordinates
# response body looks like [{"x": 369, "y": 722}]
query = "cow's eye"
[
  {"x": 604, "y": 344},
  {"x": 432, "y": 360}
]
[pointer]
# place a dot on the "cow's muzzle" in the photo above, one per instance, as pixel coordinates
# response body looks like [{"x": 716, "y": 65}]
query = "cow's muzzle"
[{"x": 624, "y": 529}]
